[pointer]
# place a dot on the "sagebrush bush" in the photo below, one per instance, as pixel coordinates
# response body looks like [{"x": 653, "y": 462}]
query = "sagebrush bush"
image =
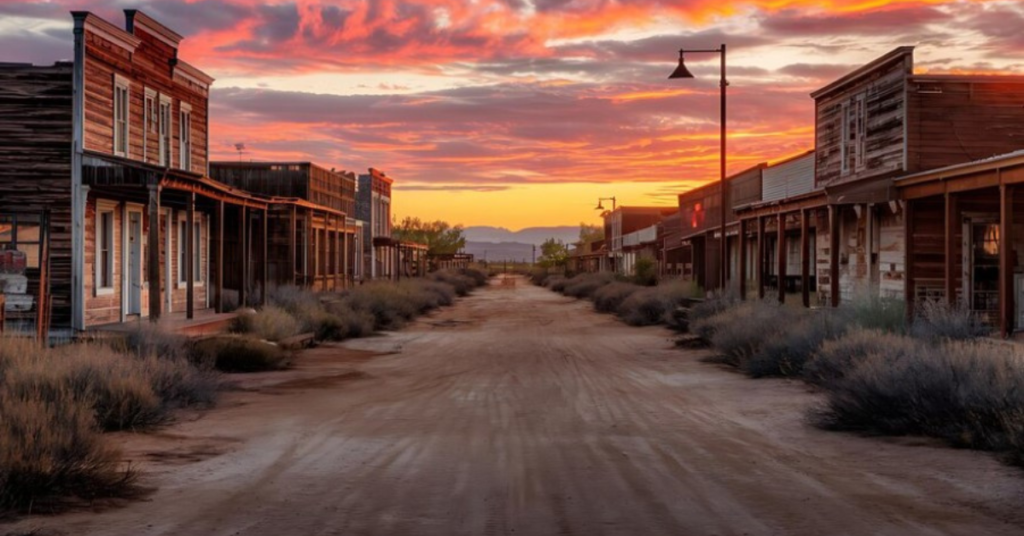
[
  {"x": 356, "y": 323},
  {"x": 701, "y": 313},
  {"x": 646, "y": 307},
  {"x": 739, "y": 333},
  {"x": 968, "y": 394},
  {"x": 243, "y": 354},
  {"x": 539, "y": 276},
  {"x": 390, "y": 307},
  {"x": 800, "y": 336},
  {"x": 835, "y": 358},
  {"x": 51, "y": 450},
  {"x": 937, "y": 321},
  {"x": 584, "y": 285},
  {"x": 609, "y": 298},
  {"x": 873, "y": 312},
  {"x": 462, "y": 284},
  {"x": 557, "y": 283},
  {"x": 645, "y": 272},
  {"x": 272, "y": 323}
]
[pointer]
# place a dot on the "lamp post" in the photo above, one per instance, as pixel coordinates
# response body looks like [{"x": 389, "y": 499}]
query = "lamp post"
[
  {"x": 682, "y": 72},
  {"x": 600, "y": 206}
]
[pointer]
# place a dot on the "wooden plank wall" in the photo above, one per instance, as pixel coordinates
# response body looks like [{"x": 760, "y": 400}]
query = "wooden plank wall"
[
  {"x": 883, "y": 92},
  {"x": 35, "y": 162},
  {"x": 148, "y": 67},
  {"x": 954, "y": 121}
]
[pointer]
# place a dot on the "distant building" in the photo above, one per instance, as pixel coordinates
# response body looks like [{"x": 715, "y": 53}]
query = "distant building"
[
  {"x": 373, "y": 207},
  {"x": 621, "y": 222}
]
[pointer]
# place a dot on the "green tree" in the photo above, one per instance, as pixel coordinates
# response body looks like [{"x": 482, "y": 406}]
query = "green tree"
[
  {"x": 553, "y": 253},
  {"x": 440, "y": 237},
  {"x": 591, "y": 233}
]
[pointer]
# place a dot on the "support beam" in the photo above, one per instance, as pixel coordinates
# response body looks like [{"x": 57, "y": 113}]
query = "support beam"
[
  {"x": 293, "y": 240},
  {"x": 741, "y": 269},
  {"x": 780, "y": 255},
  {"x": 153, "y": 263},
  {"x": 759, "y": 265},
  {"x": 908, "y": 255},
  {"x": 264, "y": 256},
  {"x": 190, "y": 256},
  {"x": 1006, "y": 259},
  {"x": 805, "y": 258},
  {"x": 949, "y": 235},
  {"x": 218, "y": 275},
  {"x": 243, "y": 261},
  {"x": 834, "y": 230}
]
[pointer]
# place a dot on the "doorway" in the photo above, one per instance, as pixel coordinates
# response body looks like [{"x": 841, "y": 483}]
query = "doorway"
[
  {"x": 981, "y": 266},
  {"x": 134, "y": 263}
]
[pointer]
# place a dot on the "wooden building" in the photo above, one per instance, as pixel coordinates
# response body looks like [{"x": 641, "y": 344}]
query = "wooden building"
[
  {"x": 621, "y": 222},
  {"x": 113, "y": 147},
  {"x": 373, "y": 207},
  {"x": 311, "y": 231}
]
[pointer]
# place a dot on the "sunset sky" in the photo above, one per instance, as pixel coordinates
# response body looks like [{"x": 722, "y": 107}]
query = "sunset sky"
[{"x": 521, "y": 113}]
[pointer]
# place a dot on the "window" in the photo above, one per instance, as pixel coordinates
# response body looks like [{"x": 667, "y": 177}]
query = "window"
[
  {"x": 121, "y": 99},
  {"x": 150, "y": 122},
  {"x": 105, "y": 250},
  {"x": 165, "y": 131},
  {"x": 183, "y": 253},
  {"x": 185, "y": 137}
]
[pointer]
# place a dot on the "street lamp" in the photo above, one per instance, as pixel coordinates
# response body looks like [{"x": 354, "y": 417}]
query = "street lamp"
[
  {"x": 601, "y": 206},
  {"x": 682, "y": 72}
]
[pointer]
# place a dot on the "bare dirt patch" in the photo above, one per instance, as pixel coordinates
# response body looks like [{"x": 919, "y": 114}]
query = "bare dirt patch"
[{"x": 539, "y": 418}]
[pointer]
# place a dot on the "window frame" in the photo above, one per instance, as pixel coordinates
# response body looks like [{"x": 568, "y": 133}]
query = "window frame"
[
  {"x": 104, "y": 267},
  {"x": 166, "y": 122},
  {"x": 185, "y": 136},
  {"x": 122, "y": 104}
]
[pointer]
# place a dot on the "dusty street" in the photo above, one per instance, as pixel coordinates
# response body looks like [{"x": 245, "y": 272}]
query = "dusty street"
[{"x": 522, "y": 412}]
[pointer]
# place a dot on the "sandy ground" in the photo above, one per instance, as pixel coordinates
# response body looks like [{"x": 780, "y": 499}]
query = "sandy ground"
[{"x": 521, "y": 412}]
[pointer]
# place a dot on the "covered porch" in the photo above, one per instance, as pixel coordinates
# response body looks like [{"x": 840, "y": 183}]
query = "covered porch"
[{"x": 158, "y": 241}]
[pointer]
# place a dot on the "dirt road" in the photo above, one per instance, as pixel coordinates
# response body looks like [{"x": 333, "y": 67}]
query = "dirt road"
[{"x": 521, "y": 412}]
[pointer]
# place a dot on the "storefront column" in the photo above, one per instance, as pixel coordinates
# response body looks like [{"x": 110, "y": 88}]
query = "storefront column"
[
  {"x": 154, "y": 253},
  {"x": 805, "y": 258},
  {"x": 218, "y": 275},
  {"x": 1006, "y": 259},
  {"x": 780, "y": 253},
  {"x": 950, "y": 247},
  {"x": 835, "y": 226},
  {"x": 243, "y": 242},
  {"x": 742, "y": 268},
  {"x": 759, "y": 265},
  {"x": 190, "y": 256}
]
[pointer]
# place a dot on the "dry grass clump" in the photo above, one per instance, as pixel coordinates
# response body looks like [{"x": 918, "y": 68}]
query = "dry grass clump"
[
  {"x": 271, "y": 323},
  {"x": 834, "y": 358},
  {"x": 239, "y": 353},
  {"x": 51, "y": 451},
  {"x": 584, "y": 285},
  {"x": 937, "y": 322},
  {"x": 609, "y": 298},
  {"x": 55, "y": 402},
  {"x": 655, "y": 305},
  {"x": 461, "y": 283},
  {"x": 795, "y": 339}
]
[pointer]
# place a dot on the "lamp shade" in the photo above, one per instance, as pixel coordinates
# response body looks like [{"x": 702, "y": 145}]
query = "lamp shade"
[
  {"x": 599, "y": 206},
  {"x": 681, "y": 71}
]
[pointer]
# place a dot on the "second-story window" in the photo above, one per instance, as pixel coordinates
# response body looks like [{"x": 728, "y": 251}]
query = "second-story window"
[
  {"x": 121, "y": 101},
  {"x": 150, "y": 122},
  {"x": 165, "y": 131},
  {"x": 185, "y": 137}
]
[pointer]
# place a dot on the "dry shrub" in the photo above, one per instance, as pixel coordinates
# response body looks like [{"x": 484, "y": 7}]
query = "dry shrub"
[
  {"x": 539, "y": 276},
  {"x": 739, "y": 333},
  {"x": 462, "y": 284},
  {"x": 51, "y": 450},
  {"x": 271, "y": 323},
  {"x": 837, "y": 357},
  {"x": 969, "y": 394},
  {"x": 389, "y": 305},
  {"x": 355, "y": 323},
  {"x": 877, "y": 313},
  {"x": 800, "y": 335},
  {"x": 243, "y": 354},
  {"x": 700, "y": 314},
  {"x": 609, "y": 298},
  {"x": 584, "y": 285},
  {"x": 937, "y": 321},
  {"x": 557, "y": 283}
]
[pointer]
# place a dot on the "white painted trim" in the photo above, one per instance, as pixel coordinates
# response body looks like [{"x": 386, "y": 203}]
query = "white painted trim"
[
  {"x": 129, "y": 209},
  {"x": 168, "y": 218},
  {"x": 165, "y": 145},
  {"x": 121, "y": 82},
  {"x": 104, "y": 206}
]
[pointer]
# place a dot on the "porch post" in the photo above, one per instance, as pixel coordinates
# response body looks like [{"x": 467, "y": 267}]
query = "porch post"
[
  {"x": 834, "y": 212},
  {"x": 1005, "y": 259},
  {"x": 780, "y": 253},
  {"x": 293, "y": 231},
  {"x": 265, "y": 257},
  {"x": 908, "y": 255},
  {"x": 243, "y": 280},
  {"x": 761, "y": 247},
  {"x": 950, "y": 245},
  {"x": 741, "y": 270},
  {"x": 190, "y": 253},
  {"x": 346, "y": 245},
  {"x": 805, "y": 259},
  {"x": 219, "y": 274},
  {"x": 153, "y": 263}
]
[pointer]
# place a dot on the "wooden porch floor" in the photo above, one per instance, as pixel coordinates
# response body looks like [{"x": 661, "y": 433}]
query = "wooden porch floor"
[{"x": 205, "y": 322}]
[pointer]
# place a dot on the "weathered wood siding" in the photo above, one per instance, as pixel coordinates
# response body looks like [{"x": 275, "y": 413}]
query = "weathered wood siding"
[
  {"x": 35, "y": 162},
  {"x": 953, "y": 120},
  {"x": 149, "y": 66},
  {"x": 788, "y": 179},
  {"x": 304, "y": 180},
  {"x": 881, "y": 94}
]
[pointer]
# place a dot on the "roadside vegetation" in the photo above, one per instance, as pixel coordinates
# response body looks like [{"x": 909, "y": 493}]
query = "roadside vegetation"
[
  {"x": 640, "y": 300},
  {"x": 936, "y": 375},
  {"x": 56, "y": 403}
]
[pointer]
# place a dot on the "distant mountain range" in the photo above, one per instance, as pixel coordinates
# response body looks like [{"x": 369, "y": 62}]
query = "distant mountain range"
[{"x": 529, "y": 235}]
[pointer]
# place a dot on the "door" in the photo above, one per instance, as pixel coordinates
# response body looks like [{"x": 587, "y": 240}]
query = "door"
[
  {"x": 981, "y": 269},
  {"x": 135, "y": 263}
]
